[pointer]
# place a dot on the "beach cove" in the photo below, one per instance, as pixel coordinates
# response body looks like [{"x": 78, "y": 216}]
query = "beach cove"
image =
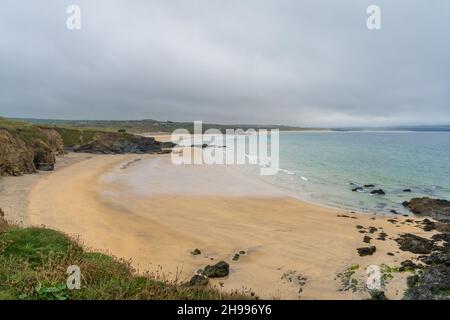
[{"x": 293, "y": 249}]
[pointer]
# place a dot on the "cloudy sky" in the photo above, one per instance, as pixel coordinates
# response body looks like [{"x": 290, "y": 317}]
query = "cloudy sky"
[{"x": 295, "y": 62}]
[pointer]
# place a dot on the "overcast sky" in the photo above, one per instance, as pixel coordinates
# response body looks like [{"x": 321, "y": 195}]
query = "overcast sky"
[{"x": 292, "y": 62}]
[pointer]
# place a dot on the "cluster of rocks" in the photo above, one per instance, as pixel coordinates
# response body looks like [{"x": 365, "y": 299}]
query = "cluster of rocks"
[
  {"x": 120, "y": 143},
  {"x": 218, "y": 270},
  {"x": 433, "y": 282},
  {"x": 370, "y": 187}
]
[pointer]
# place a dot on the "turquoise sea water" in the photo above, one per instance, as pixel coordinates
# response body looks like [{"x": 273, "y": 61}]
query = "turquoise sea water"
[{"x": 323, "y": 167}]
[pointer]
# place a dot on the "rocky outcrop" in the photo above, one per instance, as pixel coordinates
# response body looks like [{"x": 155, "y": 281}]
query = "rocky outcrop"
[
  {"x": 25, "y": 149},
  {"x": 54, "y": 140},
  {"x": 436, "y": 208},
  {"x": 415, "y": 244},
  {"x": 119, "y": 143},
  {"x": 16, "y": 155},
  {"x": 434, "y": 282}
]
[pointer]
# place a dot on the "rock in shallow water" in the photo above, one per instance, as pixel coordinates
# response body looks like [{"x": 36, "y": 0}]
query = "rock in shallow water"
[{"x": 378, "y": 192}]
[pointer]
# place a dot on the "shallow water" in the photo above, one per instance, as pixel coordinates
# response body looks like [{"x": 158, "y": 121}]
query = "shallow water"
[
  {"x": 325, "y": 166},
  {"x": 320, "y": 167}
]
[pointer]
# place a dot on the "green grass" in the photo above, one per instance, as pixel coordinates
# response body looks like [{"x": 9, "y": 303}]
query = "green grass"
[
  {"x": 26, "y": 131},
  {"x": 34, "y": 261},
  {"x": 36, "y": 245}
]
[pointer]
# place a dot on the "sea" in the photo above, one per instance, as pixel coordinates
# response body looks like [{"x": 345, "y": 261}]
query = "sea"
[{"x": 324, "y": 167}]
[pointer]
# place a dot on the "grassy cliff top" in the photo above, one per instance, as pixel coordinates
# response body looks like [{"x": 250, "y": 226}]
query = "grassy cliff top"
[{"x": 34, "y": 262}]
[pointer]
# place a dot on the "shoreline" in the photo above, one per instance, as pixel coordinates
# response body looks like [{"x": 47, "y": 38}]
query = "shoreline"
[{"x": 283, "y": 238}]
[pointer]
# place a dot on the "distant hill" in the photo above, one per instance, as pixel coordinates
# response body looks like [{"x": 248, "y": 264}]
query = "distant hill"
[
  {"x": 149, "y": 125},
  {"x": 423, "y": 128}
]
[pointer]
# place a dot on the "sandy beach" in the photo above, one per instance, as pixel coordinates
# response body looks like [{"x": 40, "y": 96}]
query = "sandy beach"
[{"x": 292, "y": 249}]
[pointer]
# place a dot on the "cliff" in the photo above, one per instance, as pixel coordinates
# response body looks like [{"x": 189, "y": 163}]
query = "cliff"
[{"x": 25, "y": 148}]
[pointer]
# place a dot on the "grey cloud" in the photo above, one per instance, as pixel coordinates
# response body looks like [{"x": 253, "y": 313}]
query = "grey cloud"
[{"x": 285, "y": 61}]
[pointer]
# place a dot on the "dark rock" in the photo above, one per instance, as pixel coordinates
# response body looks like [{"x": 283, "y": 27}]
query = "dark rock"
[
  {"x": 408, "y": 264},
  {"x": 390, "y": 254},
  {"x": 377, "y": 295},
  {"x": 198, "y": 281},
  {"x": 196, "y": 251},
  {"x": 405, "y": 203},
  {"x": 378, "y": 192},
  {"x": 236, "y": 257},
  {"x": 44, "y": 159},
  {"x": 433, "y": 283},
  {"x": 415, "y": 244},
  {"x": 369, "y": 186},
  {"x": 436, "y": 208},
  {"x": 437, "y": 257},
  {"x": 366, "y": 251},
  {"x": 357, "y": 189},
  {"x": 443, "y": 226},
  {"x": 427, "y": 225},
  {"x": 367, "y": 239},
  {"x": 406, "y": 190},
  {"x": 441, "y": 237},
  {"x": 382, "y": 236},
  {"x": 119, "y": 143},
  {"x": 412, "y": 280},
  {"x": 359, "y": 227},
  {"x": 394, "y": 211},
  {"x": 167, "y": 145},
  {"x": 372, "y": 230},
  {"x": 219, "y": 270}
]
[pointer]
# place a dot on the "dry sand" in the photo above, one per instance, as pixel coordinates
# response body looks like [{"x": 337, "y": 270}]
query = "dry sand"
[{"x": 284, "y": 239}]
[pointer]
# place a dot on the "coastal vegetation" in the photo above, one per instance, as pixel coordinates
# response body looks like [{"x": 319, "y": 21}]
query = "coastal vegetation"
[
  {"x": 150, "y": 125},
  {"x": 34, "y": 262}
]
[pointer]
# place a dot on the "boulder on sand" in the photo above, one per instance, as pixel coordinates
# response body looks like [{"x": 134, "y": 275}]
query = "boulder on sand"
[
  {"x": 198, "y": 280},
  {"x": 366, "y": 251},
  {"x": 219, "y": 270}
]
